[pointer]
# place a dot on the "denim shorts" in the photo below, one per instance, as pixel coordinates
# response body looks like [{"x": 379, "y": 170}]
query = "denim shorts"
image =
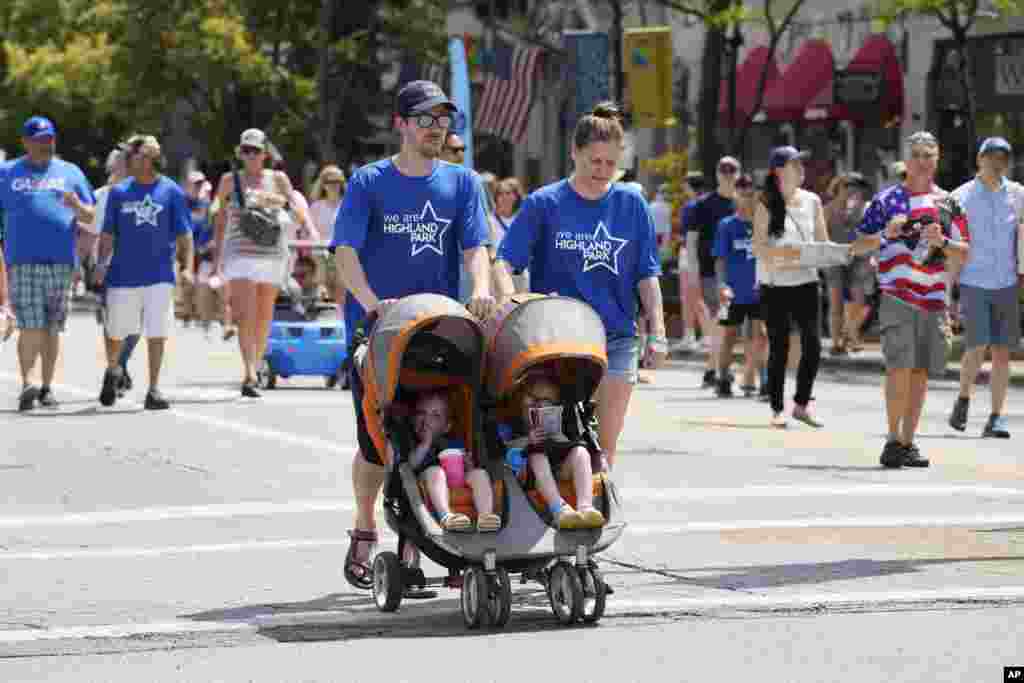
[{"x": 624, "y": 358}]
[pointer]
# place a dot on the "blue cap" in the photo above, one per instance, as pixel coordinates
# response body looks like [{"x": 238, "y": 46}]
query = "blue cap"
[
  {"x": 781, "y": 156},
  {"x": 995, "y": 145},
  {"x": 420, "y": 96},
  {"x": 39, "y": 127}
]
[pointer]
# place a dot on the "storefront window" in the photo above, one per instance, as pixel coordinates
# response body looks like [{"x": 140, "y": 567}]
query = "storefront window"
[{"x": 1009, "y": 125}]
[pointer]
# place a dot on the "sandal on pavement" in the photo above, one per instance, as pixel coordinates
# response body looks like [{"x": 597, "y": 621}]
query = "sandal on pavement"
[
  {"x": 456, "y": 522},
  {"x": 359, "y": 573},
  {"x": 487, "y": 522}
]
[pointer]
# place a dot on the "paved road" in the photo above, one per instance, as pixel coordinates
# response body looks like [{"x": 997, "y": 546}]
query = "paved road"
[{"x": 205, "y": 543}]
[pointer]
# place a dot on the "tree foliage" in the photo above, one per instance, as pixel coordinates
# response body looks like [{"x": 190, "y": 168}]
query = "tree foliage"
[{"x": 103, "y": 68}]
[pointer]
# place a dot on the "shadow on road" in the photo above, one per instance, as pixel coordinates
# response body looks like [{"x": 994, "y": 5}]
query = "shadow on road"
[
  {"x": 780, "y": 575},
  {"x": 344, "y": 616},
  {"x": 833, "y": 468}
]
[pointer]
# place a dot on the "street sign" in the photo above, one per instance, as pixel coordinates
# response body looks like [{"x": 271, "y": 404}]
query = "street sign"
[{"x": 857, "y": 88}]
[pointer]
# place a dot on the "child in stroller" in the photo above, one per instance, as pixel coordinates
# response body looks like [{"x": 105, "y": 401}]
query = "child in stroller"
[
  {"x": 551, "y": 453},
  {"x": 432, "y": 431}
]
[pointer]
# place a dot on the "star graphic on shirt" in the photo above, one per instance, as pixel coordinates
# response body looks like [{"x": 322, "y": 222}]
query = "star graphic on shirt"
[
  {"x": 429, "y": 233},
  {"x": 146, "y": 211},
  {"x": 603, "y": 250}
]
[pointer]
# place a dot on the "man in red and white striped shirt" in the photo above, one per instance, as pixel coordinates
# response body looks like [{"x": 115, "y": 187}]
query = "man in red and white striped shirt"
[{"x": 921, "y": 232}]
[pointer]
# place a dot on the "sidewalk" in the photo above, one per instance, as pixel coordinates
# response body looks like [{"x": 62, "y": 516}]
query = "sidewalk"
[{"x": 870, "y": 361}]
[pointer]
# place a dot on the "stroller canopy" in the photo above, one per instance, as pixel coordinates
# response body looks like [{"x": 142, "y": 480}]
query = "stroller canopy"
[
  {"x": 535, "y": 329},
  {"x": 423, "y": 342}
]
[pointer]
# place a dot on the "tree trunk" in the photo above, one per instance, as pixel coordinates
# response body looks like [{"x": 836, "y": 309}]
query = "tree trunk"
[
  {"x": 617, "y": 49},
  {"x": 327, "y": 106},
  {"x": 967, "y": 91},
  {"x": 710, "y": 86}
]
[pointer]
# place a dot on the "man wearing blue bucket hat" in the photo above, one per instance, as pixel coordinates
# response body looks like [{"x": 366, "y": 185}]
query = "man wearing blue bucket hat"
[
  {"x": 989, "y": 282},
  {"x": 45, "y": 200}
]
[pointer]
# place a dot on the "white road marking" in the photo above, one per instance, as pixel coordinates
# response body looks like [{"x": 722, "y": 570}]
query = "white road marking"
[
  {"x": 243, "y": 428},
  {"x": 270, "y": 508},
  {"x": 622, "y": 607},
  {"x": 160, "y": 514},
  {"x": 975, "y": 521}
]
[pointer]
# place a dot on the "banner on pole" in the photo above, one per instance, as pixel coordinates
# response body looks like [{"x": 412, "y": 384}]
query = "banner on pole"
[
  {"x": 647, "y": 66},
  {"x": 587, "y": 70},
  {"x": 461, "y": 94}
]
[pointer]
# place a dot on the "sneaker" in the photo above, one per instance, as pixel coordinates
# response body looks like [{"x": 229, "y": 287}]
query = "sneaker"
[
  {"x": 124, "y": 385},
  {"x": 763, "y": 395},
  {"x": 229, "y": 332},
  {"x": 805, "y": 416},
  {"x": 249, "y": 391},
  {"x": 709, "y": 380},
  {"x": 723, "y": 389},
  {"x": 958, "y": 418},
  {"x": 912, "y": 457},
  {"x": 997, "y": 427},
  {"x": 27, "y": 400},
  {"x": 108, "y": 394},
  {"x": 46, "y": 399},
  {"x": 156, "y": 401},
  {"x": 748, "y": 390},
  {"x": 892, "y": 454},
  {"x": 779, "y": 421}
]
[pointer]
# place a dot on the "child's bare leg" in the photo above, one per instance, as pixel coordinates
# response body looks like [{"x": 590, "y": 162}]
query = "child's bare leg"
[
  {"x": 583, "y": 476},
  {"x": 483, "y": 495},
  {"x": 437, "y": 487},
  {"x": 545, "y": 479}
]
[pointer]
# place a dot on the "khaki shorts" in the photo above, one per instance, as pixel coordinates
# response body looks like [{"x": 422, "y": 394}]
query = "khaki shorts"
[{"x": 912, "y": 338}]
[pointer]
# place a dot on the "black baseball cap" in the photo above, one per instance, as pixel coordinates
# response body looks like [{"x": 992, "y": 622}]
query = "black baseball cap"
[
  {"x": 781, "y": 156},
  {"x": 417, "y": 97}
]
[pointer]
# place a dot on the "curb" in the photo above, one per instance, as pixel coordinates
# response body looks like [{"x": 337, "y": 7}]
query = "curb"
[{"x": 863, "y": 364}]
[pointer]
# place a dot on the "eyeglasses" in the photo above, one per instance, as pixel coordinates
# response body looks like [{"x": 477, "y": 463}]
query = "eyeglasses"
[
  {"x": 250, "y": 151},
  {"x": 727, "y": 169},
  {"x": 428, "y": 120},
  {"x": 926, "y": 156}
]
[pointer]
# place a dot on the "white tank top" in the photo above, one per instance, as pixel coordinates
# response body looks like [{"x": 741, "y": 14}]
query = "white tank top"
[
  {"x": 799, "y": 229},
  {"x": 237, "y": 244}
]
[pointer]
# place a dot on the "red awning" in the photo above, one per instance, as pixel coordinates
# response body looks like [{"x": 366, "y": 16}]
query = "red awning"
[
  {"x": 804, "y": 86},
  {"x": 876, "y": 55},
  {"x": 748, "y": 78}
]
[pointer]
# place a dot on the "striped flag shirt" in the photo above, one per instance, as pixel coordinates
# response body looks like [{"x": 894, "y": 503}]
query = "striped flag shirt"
[
  {"x": 899, "y": 274},
  {"x": 508, "y": 92}
]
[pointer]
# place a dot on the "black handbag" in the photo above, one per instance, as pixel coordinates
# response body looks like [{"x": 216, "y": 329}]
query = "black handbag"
[{"x": 259, "y": 225}]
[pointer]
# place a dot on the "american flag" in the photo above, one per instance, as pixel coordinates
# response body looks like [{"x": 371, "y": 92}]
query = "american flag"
[{"x": 508, "y": 92}]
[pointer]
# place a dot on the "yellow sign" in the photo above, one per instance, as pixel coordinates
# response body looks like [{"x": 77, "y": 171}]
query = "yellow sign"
[{"x": 647, "y": 66}]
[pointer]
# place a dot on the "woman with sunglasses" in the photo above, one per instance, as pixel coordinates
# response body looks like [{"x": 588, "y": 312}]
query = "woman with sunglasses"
[
  {"x": 254, "y": 273},
  {"x": 592, "y": 239}
]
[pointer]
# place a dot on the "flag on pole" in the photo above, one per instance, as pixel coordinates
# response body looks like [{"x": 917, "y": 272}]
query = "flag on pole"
[
  {"x": 588, "y": 70},
  {"x": 508, "y": 91}
]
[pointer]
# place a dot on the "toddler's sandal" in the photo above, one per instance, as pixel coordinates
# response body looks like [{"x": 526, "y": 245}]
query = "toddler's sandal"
[
  {"x": 456, "y": 521},
  {"x": 567, "y": 518},
  {"x": 591, "y": 518},
  {"x": 487, "y": 522}
]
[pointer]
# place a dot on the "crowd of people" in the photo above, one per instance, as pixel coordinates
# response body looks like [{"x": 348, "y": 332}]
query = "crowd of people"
[{"x": 751, "y": 264}]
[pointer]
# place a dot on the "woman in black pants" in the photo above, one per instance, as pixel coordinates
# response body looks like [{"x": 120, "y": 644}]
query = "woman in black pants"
[{"x": 787, "y": 217}]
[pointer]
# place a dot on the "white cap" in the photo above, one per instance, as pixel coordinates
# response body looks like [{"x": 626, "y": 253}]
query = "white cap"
[
  {"x": 196, "y": 176},
  {"x": 254, "y": 137}
]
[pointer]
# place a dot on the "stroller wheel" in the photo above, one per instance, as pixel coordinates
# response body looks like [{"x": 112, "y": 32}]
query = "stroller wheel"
[
  {"x": 475, "y": 600},
  {"x": 499, "y": 598},
  {"x": 565, "y": 591},
  {"x": 595, "y": 594},
  {"x": 387, "y": 581}
]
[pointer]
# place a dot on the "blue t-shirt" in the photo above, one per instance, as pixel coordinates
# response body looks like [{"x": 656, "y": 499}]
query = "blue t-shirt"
[
  {"x": 145, "y": 220},
  {"x": 410, "y": 232},
  {"x": 707, "y": 212},
  {"x": 594, "y": 250},
  {"x": 733, "y": 242},
  {"x": 199, "y": 214},
  {"x": 39, "y": 228}
]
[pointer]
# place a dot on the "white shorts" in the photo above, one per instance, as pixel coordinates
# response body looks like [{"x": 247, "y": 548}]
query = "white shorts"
[
  {"x": 267, "y": 270},
  {"x": 131, "y": 310}
]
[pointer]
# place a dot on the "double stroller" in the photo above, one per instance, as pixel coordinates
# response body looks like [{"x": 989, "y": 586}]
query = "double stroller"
[{"x": 428, "y": 342}]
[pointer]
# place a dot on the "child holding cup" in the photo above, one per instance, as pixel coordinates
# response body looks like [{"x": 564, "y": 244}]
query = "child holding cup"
[{"x": 440, "y": 461}]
